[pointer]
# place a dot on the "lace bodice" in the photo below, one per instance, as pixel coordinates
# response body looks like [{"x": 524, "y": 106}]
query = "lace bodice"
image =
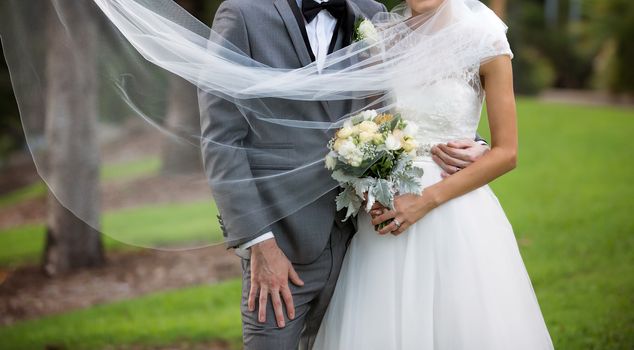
[
  {"x": 444, "y": 111},
  {"x": 438, "y": 86}
]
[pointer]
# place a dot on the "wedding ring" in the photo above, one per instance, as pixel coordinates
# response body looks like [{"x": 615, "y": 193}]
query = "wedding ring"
[{"x": 398, "y": 224}]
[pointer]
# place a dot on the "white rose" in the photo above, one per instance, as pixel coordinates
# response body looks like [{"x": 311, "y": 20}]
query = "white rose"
[
  {"x": 392, "y": 143},
  {"x": 411, "y": 129},
  {"x": 331, "y": 160},
  {"x": 368, "y": 114},
  {"x": 346, "y": 148},
  {"x": 368, "y": 31},
  {"x": 348, "y": 123},
  {"x": 356, "y": 158}
]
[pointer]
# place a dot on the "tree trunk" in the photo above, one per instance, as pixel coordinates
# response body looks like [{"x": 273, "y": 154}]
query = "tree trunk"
[
  {"x": 183, "y": 118},
  {"x": 73, "y": 158}
]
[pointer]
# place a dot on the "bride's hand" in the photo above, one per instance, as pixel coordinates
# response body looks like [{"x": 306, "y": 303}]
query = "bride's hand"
[{"x": 408, "y": 209}]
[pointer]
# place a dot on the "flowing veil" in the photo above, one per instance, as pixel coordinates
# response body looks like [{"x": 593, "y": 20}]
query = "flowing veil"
[{"x": 124, "y": 61}]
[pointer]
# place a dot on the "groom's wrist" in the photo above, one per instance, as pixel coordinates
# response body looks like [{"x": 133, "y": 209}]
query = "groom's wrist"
[{"x": 259, "y": 239}]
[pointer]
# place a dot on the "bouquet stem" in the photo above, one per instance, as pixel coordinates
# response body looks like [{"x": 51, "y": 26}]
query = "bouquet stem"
[{"x": 383, "y": 224}]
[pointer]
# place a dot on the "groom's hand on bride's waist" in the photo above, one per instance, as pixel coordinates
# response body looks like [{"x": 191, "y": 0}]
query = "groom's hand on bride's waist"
[
  {"x": 457, "y": 155},
  {"x": 270, "y": 272}
]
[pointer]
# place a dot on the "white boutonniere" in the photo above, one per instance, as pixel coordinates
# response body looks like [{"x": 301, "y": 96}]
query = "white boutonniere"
[{"x": 365, "y": 30}]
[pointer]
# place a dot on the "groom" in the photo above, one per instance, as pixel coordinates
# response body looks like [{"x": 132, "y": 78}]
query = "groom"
[{"x": 289, "y": 269}]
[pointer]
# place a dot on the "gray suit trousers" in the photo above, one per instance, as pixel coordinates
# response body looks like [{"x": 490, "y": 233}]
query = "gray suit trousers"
[{"x": 311, "y": 300}]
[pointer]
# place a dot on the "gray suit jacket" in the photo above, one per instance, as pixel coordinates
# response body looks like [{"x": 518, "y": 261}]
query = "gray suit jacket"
[{"x": 268, "y": 31}]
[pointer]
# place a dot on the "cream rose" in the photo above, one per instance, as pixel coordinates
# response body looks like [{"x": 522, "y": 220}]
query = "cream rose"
[
  {"x": 368, "y": 126},
  {"x": 345, "y": 132},
  {"x": 366, "y": 136},
  {"x": 338, "y": 143},
  {"x": 408, "y": 145}
]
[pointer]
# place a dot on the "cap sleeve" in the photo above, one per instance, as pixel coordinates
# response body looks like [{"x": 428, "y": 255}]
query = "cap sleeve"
[{"x": 493, "y": 41}]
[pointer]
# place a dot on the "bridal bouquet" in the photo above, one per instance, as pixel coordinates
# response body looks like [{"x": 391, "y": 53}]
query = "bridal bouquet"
[{"x": 372, "y": 154}]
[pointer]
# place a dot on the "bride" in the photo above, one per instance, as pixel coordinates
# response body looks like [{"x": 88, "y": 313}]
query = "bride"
[{"x": 446, "y": 273}]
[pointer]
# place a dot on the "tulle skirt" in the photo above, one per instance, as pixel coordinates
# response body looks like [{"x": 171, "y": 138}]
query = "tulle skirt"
[{"x": 453, "y": 280}]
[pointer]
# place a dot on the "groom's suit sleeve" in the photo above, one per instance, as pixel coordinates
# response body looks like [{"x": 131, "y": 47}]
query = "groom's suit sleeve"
[
  {"x": 224, "y": 159},
  {"x": 480, "y": 140}
]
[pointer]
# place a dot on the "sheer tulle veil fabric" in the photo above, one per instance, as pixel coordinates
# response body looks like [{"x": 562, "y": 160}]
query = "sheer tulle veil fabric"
[{"x": 135, "y": 49}]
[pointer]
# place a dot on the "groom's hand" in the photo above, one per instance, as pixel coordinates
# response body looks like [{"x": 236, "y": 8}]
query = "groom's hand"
[
  {"x": 270, "y": 272},
  {"x": 457, "y": 155}
]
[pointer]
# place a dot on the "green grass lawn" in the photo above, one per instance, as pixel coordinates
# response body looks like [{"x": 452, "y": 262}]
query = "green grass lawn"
[
  {"x": 151, "y": 226},
  {"x": 196, "y": 314},
  {"x": 115, "y": 171},
  {"x": 570, "y": 201}
]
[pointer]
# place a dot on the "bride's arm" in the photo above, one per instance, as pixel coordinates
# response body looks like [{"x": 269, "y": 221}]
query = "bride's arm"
[{"x": 497, "y": 78}]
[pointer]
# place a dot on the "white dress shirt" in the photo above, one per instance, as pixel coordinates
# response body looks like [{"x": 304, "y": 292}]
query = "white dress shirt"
[{"x": 320, "y": 31}]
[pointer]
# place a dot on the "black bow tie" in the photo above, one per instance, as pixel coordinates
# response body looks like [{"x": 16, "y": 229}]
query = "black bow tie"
[{"x": 311, "y": 8}]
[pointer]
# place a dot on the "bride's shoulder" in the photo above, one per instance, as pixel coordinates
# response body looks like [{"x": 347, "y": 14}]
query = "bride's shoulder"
[{"x": 487, "y": 33}]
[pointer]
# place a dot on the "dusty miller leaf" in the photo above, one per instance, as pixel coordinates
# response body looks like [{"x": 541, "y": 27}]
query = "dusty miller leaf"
[
  {"x": 342, "y": 177},
  {"x": 383, "y": 193},
  {"x": 363, "y": 185},
  {"x": 348, "y": 199},
  {"x": 407, "y": 183}
]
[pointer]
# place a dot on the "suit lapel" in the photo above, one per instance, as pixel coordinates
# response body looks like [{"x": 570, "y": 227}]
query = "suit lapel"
[
  {"x": 289, "y": 11},
  {"x": 343, "y": 38},
  {"x": 294, "y": 31},
  {"x": 351, "y": 19}
]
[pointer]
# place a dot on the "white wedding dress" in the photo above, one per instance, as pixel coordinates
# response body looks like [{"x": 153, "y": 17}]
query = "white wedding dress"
[{"x": 453, "y": 280}]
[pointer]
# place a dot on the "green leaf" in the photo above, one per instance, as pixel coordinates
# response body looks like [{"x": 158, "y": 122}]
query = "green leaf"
[
  {"x": 383, "y": 193},
  {"x": 363, "y": 185},
  {"x": 408, "y": 183},
  {"x": 348, "y": 199},
  {"x": 342, "y": 177}
]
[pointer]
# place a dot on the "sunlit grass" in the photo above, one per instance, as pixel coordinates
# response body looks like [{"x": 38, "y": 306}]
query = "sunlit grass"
[
  {"x": 151, "y": 226},
  {"x": 197, "y": 314},
  {"x": 35, "y": 190},
  {"x": 131, "y": 169},
  {"x": 109, "y": 172},
  {"x": 570, "y": 201}
]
